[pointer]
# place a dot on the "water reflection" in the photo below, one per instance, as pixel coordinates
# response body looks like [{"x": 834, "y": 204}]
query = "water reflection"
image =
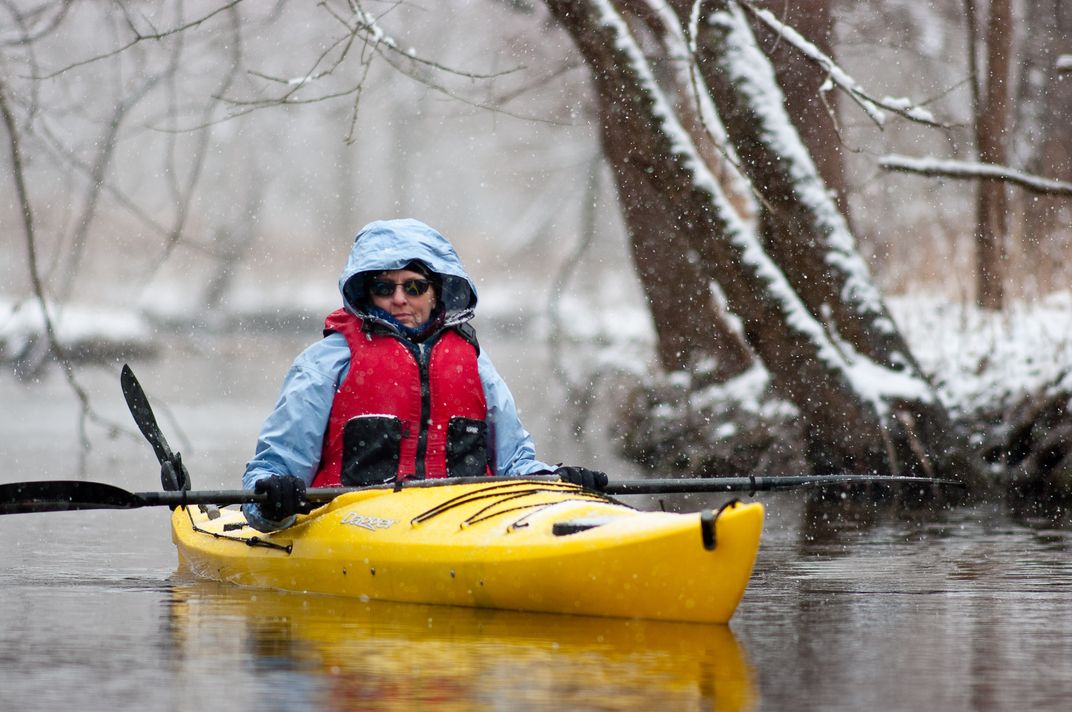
[{"x": 335, "y": 653}]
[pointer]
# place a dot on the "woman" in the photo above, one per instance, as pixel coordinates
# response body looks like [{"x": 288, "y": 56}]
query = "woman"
[{"x": 398, "y": 388}]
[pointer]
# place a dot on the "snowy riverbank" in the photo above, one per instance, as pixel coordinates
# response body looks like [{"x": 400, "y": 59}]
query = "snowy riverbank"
[{"x": 978, "y": 360}]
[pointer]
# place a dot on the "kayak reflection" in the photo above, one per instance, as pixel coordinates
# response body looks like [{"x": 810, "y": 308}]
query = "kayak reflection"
[{"x": 337, "y": 653}]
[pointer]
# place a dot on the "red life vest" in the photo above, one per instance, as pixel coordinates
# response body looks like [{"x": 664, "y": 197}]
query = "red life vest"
[{"x": 397, "y": 415}]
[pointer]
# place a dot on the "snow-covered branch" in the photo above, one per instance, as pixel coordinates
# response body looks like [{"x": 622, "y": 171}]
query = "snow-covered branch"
[
  {"x": 972, "y": 170},
  {"x": 837, "y": 76}
]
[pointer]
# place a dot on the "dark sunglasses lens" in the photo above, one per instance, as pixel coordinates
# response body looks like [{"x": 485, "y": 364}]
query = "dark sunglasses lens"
[
  {"x": 415, "y": 287},
  {"x": 380, "y": 288},
  {"x": 411, "y": 287}
]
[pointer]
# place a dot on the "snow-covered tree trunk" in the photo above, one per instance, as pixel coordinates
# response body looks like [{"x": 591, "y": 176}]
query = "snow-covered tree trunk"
[
  {"x": 802, "y": 227},
  {"x": 691, "y": 331},
  {"x": 810, "y": 106},
  {"x": 859, "y": 413}
]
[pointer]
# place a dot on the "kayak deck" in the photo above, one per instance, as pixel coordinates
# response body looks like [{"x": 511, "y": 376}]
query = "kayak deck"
[{"x": 516, "y": 545}]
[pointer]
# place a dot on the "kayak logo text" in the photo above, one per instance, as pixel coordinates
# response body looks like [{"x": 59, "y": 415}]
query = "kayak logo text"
[{"x": 370, "y": 523}]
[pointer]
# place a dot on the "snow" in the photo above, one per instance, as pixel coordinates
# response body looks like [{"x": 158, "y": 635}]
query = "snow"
[
  {"x": 696, "y": 92},
  {"x": 908, "y": 107},
  {"x": 365, "y": 21},
  {"x": 751, "y": 69},
  {"x": 835, "y": 73},
  {"x": 767, "y": 274},
  {"x": 980, "y": 359},
  {"x": 680, "y": 141}
]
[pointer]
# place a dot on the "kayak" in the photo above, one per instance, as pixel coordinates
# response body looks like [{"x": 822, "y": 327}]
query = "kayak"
[{"x": 520, "y": 544}]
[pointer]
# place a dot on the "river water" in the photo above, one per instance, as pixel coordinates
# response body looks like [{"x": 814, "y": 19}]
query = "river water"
[{"x": 966, "y": 610}]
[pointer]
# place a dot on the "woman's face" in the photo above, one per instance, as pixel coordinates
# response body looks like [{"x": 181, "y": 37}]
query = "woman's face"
[{"x": 403, "y": 303}]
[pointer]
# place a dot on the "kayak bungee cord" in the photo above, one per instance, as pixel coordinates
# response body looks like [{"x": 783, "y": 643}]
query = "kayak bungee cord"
[
  {"x": 495, "y": 490},
  {"x": 492, "y": 490},
  {"x": 476, "y": 518},
  {"x": 579, "y": 496},
  {"x": 248, "y": 541}
]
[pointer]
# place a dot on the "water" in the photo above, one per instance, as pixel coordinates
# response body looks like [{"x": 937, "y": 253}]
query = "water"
[{"x": 967, "y": 611}]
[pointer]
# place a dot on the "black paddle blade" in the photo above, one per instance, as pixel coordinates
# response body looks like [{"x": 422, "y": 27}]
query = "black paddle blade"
[
  {"x": 64, "y": 495},
  {"x": 138, "y": 403},
  {"x": 173, "y": 474}
]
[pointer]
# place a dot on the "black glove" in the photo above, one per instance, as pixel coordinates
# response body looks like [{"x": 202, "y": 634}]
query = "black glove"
[
  {"x": 286, "y": 496},
  {"x": 589, "y": 479}
]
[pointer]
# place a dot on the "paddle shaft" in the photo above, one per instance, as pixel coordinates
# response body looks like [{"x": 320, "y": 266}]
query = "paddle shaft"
[
  {"x": 768, "y": 483},
  {"x": 65, "y": 495}
]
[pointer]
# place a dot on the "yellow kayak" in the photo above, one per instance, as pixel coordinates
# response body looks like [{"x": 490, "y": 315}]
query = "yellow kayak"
[{"x": 510, "y": 544}]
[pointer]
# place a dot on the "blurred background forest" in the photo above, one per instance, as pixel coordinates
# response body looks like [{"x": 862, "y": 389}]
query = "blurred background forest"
[
  {"x": 206, "y": 163},
  {"x": 193, "y": 171}
]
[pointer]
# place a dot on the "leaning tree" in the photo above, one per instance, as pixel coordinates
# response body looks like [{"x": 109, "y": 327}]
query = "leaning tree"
[{"x": 809, "y": 308}]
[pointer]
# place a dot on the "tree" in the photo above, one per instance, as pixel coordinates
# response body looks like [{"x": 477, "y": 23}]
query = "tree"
[
  {"x": 829, "y": 367},
  {"x": 990, "y": 100}
]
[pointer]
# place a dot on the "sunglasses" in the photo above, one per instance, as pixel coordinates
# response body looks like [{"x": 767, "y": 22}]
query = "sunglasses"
[{"x": 411, "y": 287}]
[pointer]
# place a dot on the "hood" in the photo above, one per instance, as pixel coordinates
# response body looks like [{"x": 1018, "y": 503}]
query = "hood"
[{"x": 391, "y": 244}]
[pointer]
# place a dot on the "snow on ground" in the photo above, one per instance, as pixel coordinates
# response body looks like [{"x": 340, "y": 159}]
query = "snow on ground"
[{"x": 979, "y": 359}]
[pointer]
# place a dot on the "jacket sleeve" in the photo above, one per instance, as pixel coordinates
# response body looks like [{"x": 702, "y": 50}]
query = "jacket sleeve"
[
  {"x": 509, "y": 444},
  {"x": 292, "y": 437}
]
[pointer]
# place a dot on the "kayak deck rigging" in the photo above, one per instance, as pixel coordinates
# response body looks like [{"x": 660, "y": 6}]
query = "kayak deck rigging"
[{"x": 511, "y": 492}]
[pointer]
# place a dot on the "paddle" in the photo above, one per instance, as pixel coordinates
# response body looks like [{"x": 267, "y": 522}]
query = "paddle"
[{"x": 67, "y": 495}]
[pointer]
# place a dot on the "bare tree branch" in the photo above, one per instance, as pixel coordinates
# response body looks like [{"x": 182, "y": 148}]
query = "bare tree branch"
[
  {"x": 142, "y": 37},
  {"x": 45, "y": 27},
  {"x": 184, "y": 194},
  {"x": 64, "y": 154},
  {"x": 97, "y": 179}
]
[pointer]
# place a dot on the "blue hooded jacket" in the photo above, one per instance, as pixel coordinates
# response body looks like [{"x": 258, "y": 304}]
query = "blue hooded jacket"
[{"x": 292, "y": 437}]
